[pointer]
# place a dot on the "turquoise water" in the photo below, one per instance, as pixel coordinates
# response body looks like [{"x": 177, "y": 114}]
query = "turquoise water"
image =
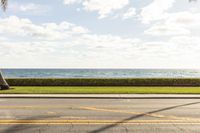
[{"x": 99, "y": 73}]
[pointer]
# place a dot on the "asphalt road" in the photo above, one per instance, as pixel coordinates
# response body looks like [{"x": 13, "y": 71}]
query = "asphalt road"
[{"x": 99, "y": 115}]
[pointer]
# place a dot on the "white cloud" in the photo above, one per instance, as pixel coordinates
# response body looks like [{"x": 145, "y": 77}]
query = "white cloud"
[
  {"x": 179, "y": 23},
  {"x": 186, "y": 41},
  {"x": 3, "y": 38},
  {"x": 48, "y": 31},
  {"x": 129, "y": 13},
  {"x": 103, "y": 7},
  {"x": 107, "y": 41},
  {"x": 155, "y": 10},
  {"x": 66, "y": 43},
  {"x": 167, "y": 30},
  {"x": 68, "y": 2},
  {"x": 28, "y": 8},
  {"x": 184, "y": 19},
  {"x": 72, "y": 46},
  {"x": 79, "y": 30}
]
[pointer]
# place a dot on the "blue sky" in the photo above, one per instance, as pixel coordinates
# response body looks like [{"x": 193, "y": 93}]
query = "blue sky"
[{"x": 100, "y": 34}]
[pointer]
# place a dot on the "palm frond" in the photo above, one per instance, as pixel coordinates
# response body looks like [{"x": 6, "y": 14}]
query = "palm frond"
[{"x": 4, "y": 4}]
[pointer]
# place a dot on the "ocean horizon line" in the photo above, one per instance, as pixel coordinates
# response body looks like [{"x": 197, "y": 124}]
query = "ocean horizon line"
[{"x": 109, "y": 68}]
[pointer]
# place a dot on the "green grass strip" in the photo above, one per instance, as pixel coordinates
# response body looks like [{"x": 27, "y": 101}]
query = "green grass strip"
[{"x": 101, "y": 90}]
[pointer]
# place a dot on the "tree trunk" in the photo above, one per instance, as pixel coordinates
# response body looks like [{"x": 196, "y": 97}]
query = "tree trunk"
[{"x": 3, "y": 84}]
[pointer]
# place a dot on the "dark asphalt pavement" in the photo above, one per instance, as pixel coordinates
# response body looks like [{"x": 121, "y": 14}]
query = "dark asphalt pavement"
[{"x": 99, "y": 115}]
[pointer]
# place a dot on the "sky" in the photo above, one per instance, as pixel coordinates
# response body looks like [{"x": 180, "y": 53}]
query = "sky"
[{"x": 100, "y": 34}]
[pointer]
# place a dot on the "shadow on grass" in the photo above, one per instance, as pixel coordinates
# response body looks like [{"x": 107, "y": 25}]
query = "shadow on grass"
[
  {"x": 138, "y": 116},
  {"x": 11, "y": 88}
]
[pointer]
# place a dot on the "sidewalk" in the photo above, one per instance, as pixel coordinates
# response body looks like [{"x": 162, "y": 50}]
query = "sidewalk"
[{"x": 104, "y": 96}]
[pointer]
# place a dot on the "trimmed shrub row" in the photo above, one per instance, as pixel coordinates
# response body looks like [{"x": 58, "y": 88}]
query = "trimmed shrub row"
[{"x": 104, "y": 82}]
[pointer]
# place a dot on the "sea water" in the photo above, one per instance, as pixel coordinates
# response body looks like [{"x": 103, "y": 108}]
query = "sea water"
[{"x": 101, "y": 73}]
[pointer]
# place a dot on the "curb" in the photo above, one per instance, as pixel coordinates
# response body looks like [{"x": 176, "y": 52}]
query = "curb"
[{"x": 100, "y": 96}]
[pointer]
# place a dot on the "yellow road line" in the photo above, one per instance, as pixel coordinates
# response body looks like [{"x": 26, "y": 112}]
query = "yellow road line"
[
  {"x": 99, "y": 123},
  {"x": 121, "y": 111},
  {"x": 95, "y": 122},
  {"x": 139, "y": 113},
  {"x": 34, "y": 107},
  {"x": 97, "y": 109},
  {"x": 87, "y": 108}
]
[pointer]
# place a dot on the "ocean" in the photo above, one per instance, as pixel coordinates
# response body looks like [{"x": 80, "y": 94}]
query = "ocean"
[{"x": 101, "y": 73}]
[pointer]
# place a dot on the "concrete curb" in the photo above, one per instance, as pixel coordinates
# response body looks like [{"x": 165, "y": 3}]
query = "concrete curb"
[{"x": 102, "y": 96}]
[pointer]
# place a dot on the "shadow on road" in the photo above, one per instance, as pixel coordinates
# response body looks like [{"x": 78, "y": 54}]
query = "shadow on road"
[
  {"x": 138, "y": 116},
  {"x": 18, "y": 128}
]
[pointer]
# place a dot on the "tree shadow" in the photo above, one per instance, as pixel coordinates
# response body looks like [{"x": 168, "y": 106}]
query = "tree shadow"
[
  {"x": 23, "y": 127},
  {"x": 138, "y": 116}
]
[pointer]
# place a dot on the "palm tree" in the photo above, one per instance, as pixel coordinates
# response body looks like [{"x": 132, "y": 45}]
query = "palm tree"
[
  {"x": 4, "y": 4},
  {"x": 3, "y": 84}
]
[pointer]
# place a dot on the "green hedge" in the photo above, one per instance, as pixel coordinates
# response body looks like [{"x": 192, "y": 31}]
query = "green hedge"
[{"x": 104, "y": 82}]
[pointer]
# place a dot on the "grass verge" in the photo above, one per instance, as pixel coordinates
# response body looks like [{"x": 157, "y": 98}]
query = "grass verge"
[{"x": 101, "y": 90}]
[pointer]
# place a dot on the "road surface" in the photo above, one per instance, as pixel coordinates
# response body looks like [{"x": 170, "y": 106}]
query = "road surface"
[{"x": 99, "y": 115}]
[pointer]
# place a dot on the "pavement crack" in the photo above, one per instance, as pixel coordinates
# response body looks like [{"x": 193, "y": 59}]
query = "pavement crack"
[
  {"x": 71, "y": 127},
  {"x": 125, "y": 128},
  {"x": 179, "y": 128}
]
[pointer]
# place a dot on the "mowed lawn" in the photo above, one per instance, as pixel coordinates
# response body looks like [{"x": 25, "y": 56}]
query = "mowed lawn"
[{"x": 101, "y": 90}]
